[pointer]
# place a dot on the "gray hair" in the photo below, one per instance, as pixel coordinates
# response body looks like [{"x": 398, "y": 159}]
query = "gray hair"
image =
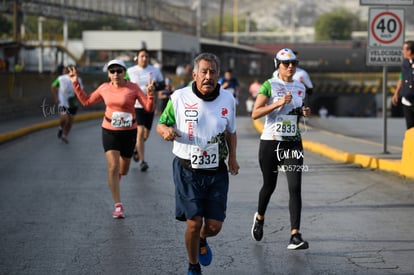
[{"x": 207, "y": 57}]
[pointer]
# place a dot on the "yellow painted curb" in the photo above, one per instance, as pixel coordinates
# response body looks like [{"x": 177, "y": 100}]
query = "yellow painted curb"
[
  {"x": 366, "y": 161},
  {"x": 258, "y": 125},
  {"x": 407, "y": 158},
  {"x": 43, "y": 125}
]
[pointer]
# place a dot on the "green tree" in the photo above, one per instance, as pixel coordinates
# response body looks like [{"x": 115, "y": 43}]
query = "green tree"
[
  {"x": 6, "y": 27},
  {"x": 212, "y": 27},
  {"x": 103, "y": 23},
  {"x": 51, "y": 28},
  {"x": 337, "y": 25}
]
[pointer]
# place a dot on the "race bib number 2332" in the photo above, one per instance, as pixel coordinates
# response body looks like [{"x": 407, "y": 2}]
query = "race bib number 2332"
[{"x": 204, "y": 157}]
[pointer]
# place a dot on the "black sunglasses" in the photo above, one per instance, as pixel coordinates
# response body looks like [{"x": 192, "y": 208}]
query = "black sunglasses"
[
  {"x": 287, "y": 62},
  {"x": 118, "y": 71}
]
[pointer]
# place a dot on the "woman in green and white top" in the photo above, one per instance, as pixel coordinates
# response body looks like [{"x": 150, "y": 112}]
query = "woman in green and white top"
[{"x": 280, "y": 100}]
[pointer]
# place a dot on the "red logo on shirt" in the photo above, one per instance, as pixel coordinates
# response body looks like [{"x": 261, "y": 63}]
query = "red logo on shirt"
[
  {"x": 191, "y": 118},
  {"x": 224, "y": 111},
  {"x": 191, "y": 107}
]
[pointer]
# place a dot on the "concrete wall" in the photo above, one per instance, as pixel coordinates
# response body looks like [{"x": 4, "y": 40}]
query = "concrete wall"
[{"x": 23, "y": 94}]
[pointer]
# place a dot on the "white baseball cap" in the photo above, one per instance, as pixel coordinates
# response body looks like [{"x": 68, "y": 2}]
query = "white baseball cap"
[{"x": 116, "y": 62}]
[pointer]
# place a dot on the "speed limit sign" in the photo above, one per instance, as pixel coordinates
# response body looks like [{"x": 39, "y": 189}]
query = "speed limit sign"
[
  {"x": 386, "y": 28},
  {"x": 385, "y": 36}
]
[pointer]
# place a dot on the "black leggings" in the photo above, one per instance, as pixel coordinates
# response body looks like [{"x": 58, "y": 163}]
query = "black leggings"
[{"x": 288, "y": 157}]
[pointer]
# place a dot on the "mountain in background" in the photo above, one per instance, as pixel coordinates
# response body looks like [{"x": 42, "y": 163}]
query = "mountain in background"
[{"x": 277, "y": 14}]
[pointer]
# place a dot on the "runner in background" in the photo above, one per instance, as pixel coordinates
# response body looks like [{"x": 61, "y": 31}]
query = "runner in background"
[
  {"x": 143, "y": 74},
  {"x": 164, "y": 95},
  {"x": 65, "y": 98},
  {"x": 254, "y": 88},
  {"x": 230, "y": 83},
  {"x": 119, "y": 127}
]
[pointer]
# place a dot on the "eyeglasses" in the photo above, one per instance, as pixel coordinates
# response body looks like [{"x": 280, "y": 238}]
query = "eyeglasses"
[
  {"x": 118, "y": 71},
  {"x": 287, "y": 62}
]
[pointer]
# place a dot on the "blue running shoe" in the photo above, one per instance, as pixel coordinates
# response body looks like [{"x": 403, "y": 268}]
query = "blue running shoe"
[
  {"x": 194, "y": 269},
  {"x": 205, "y": 256}
]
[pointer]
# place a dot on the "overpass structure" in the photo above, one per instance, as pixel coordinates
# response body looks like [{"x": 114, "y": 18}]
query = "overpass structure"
[{"x": 146, "y": 14}]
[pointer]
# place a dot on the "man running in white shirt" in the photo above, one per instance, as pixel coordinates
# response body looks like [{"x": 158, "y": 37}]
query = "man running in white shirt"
[{"x": 65, "y": 98}]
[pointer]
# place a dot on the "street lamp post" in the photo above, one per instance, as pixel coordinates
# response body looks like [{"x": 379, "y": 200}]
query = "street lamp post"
[
  {"x": 247, "y": 30},
  {"x": 40, "y": 38},
  {"x": 293, "y": 22},
  {"x": 235, "y": 21},
  {"x": 65, "y": 31},
  {"x": 220, "y": 30}
]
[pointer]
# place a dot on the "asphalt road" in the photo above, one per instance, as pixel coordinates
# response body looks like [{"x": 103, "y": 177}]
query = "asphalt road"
[{"x": 56, "y": 214}]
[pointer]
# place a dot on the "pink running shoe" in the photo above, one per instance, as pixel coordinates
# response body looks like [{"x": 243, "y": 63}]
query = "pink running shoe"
[{"x": 118, "y": 211}]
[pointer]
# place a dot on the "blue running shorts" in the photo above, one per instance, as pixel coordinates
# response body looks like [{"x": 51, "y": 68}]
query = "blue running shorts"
[{"x": 200, "y": 192}]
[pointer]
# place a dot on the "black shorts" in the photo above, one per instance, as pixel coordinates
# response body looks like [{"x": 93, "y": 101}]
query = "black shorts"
[
  {"x": 69, "y": 111},
  {"x": 122, "y": 141},
  {"x": 144, "y": 118}
]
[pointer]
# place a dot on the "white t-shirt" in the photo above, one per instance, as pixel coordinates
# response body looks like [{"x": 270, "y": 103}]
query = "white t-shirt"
[
  {"x": 66, "y": 90},
  {"x": 143, "y": 76},
  {"x": 302, "y": 76},
  {"x": 275, "y": 89},
  {"x": 199, "y": 121}
]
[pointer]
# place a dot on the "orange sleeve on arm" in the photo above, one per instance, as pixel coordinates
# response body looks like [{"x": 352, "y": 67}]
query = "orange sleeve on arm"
[{"x": 84, "y": 98}]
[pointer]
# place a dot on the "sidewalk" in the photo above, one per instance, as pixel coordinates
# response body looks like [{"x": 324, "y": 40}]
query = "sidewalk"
[
  {"x": 354, "y": 140},
  {"x": 350, "y": 140}
]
